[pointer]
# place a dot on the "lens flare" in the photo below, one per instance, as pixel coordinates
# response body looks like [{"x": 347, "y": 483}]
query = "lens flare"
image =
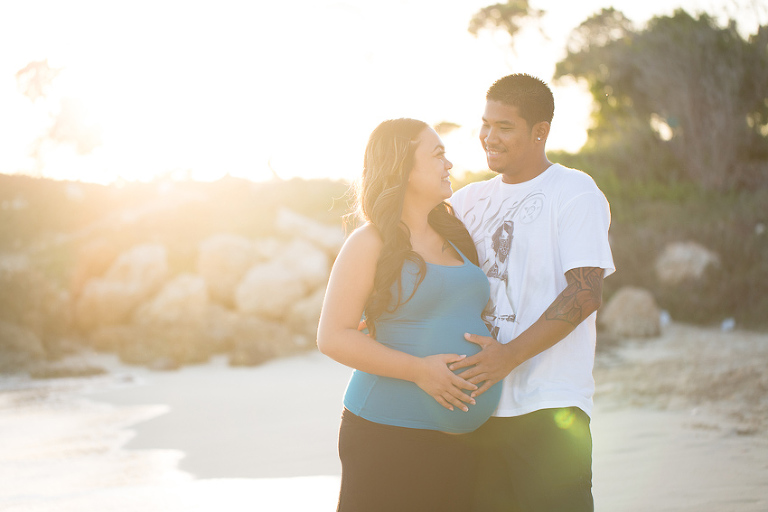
[{"x": 564, "y": 418}]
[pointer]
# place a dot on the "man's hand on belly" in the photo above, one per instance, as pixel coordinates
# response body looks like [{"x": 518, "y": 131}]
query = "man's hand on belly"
[
  {"x": 580, "y": 298},
  {"x": 489, "y": 366}
]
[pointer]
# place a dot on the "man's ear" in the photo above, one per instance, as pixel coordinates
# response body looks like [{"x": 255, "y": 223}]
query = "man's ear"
[{"x": 541, "y": 130}]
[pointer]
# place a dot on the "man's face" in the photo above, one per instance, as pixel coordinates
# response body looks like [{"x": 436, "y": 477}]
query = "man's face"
[{"x": 508, "y": 141}]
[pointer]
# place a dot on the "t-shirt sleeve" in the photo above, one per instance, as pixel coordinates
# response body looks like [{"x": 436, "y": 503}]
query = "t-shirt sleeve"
[{"x": 583, "y": 233}]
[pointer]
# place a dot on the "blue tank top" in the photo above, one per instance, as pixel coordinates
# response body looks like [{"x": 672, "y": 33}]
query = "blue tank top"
[{"x": 447, "y": 303}]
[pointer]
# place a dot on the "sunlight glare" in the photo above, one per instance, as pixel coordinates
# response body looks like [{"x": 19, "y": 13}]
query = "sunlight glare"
[{"x": 261, "y": 90}]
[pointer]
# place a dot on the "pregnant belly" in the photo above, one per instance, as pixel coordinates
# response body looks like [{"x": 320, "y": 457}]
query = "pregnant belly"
[
  {"x": 403, "y": 403},
  {"x": 429, "y": 338}
]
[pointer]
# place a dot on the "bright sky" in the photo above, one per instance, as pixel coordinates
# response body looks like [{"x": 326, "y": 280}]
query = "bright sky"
[{"x": 203, "y": 89}]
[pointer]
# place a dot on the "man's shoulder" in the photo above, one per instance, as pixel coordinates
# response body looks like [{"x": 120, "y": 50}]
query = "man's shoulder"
[
  {"x": 573, "y": 181},
  {"x": 571, "y": 174}
]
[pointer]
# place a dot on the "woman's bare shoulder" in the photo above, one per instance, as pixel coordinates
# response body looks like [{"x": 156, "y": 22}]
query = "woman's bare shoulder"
[
  {"x": 365, "y": 238},
  {"x": 361, "y": 250}
]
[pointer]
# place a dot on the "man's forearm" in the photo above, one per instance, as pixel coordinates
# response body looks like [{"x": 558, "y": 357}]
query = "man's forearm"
[
  {"x": 581, "y": 297},
  {"x": 540, "y": 336}
]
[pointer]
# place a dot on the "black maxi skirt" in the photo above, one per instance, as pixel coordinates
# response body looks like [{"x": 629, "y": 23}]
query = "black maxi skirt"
[{"x": 396, "y": 469}]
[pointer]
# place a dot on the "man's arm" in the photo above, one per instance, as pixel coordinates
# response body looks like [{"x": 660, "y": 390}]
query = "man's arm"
[{"x": 582, "y": 297}]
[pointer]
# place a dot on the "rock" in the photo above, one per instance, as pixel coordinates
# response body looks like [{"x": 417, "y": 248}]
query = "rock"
[
  {"x": 31, "y": 300},
  {"x": 306, "y": 262},
  {"x": 105, "y": 303},
  {"x": 164, "y": 346},
  {"x": 135, "y": 276},
  {"x": 329, "y": 238},
  {"x": 223, "y": 261},
  {"x": 110, "y": 338},
  {"x": 154, "y": 346},
  {"x": 163, "y": 342},
  {"x": 175, "y": 321},
  {"x": 53, "y": 318},
  {"x": 14, "y": 262},
  {"x": 257, "y": 341},
  {"x": 220, "y": 328},
  {"x": 684, "y": 261},
  {"x": 631, "y": 312},
  {"x": 183, "y": 300},
  {"x": 93, "y": 260},
  {"x": 20, "y": 349},
  {"x": 268, "y": 248},
  {"x": 164, "y": 364},
  {"x": 305, "y": 314},
  {"x": 59, "y": 347},
  {"x": 140, "y": 347},
  {"x": 143, "y": 264},
  {"x": 269, "y": 289},
  {"x": 61, "y": 370}
]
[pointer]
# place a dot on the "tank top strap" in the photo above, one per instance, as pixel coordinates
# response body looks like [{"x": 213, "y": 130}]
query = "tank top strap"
[{"x": 466, "y": 260}]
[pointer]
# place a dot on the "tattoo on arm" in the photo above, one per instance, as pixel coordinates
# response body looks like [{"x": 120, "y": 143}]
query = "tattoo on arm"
[{"x": 581, "y": 297}]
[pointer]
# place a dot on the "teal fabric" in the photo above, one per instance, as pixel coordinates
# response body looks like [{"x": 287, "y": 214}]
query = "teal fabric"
[{"x": 447, "y": 303}]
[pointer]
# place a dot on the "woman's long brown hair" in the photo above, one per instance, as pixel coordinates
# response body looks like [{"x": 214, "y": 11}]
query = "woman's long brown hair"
[{"x": 388, "y": 162}]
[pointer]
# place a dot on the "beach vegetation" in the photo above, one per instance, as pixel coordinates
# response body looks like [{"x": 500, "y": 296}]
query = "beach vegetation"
[{"x": 679, "y": 145}]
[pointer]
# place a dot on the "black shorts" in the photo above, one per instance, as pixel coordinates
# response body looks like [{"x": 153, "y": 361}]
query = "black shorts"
[
  {"x": 396, "y": 469},
  {"x": 537, "y": 462}
]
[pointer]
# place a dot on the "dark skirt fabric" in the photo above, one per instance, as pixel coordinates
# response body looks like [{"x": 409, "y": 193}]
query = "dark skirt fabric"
[
  {"x": 396, "y": 469},
  {"x": 537, "y": 462}
]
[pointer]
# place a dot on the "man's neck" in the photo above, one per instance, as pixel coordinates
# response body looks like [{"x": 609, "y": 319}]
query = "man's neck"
[{"x": 516, "y": 177}]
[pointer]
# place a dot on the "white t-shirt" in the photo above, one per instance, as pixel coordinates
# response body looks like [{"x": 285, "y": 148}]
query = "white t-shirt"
[{"x": 527, "y": 236}]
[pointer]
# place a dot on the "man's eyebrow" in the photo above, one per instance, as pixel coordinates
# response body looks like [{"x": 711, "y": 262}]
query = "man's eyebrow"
[
  {"x": 439, "y": 147},
  {"x": 501, "y": 121}
]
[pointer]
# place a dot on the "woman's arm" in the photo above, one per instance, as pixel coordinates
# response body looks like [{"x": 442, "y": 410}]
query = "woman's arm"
[{"x": 338, "y": 337}]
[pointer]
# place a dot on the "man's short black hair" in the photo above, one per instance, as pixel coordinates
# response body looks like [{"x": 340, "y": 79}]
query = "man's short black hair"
[{"x": 530, "y": 95}]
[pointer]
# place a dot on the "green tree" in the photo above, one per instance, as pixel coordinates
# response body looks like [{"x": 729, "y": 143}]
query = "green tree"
[
  {"x": 508, "y": 16},
  {"x": 682, "y": 86}
]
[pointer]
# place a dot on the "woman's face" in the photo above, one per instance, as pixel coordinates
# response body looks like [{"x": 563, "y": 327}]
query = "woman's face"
[{"x": 429, "y": 179}]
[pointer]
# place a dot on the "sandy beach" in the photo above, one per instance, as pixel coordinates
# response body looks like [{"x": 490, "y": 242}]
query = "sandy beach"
[{"x": 680, "y": 423}]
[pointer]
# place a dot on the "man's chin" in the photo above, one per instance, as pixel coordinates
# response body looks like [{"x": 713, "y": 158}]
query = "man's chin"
[{"x": 498, "y": 169}]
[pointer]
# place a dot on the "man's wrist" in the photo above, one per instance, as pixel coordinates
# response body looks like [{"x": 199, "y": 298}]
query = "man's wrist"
[{"x": 511, "y": 355}]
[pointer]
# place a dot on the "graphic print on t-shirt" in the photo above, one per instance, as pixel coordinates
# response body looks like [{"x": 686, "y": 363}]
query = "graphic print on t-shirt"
[
  {"x": 501, "y": 242},
  {"x": 497, "y": 227}
]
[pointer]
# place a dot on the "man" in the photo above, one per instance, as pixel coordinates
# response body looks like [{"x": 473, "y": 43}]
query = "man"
[{"x": 541, "y": 232}]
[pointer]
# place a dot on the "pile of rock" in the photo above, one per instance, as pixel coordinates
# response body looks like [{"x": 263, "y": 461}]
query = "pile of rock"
[
  {"x": 35, "y": 316},
  {"x": 255, "y": 299},
  {"x": 632, "y": 312}
]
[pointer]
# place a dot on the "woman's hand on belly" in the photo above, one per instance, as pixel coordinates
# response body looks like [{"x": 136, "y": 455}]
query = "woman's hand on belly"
[{"x": 447, "y": 388}]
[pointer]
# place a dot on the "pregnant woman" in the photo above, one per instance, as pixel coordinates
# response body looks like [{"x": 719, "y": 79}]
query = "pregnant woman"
[{"x": 411, "y": 271}]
